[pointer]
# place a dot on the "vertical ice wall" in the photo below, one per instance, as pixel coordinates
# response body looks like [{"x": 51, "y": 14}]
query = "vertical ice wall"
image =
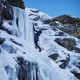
[{"x": 24, "y": 25}]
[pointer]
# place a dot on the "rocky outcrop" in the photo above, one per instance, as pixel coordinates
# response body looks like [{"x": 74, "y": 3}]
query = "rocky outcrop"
[
  {"x": 1, "y": 21},
  {"x": 67, "y": 43},
  {"x": 71, "y": 25},
  {"x": 72, "y": 30},
  {"x": 26, "y": 70},
  {"x": 17, "y": 3},
  {"x": 76, "y": 74},
  {"x": 54, "y": 56},
  {"x": 2, "y": 40},
  {"x": 64, "y": 19},
  {"x": 6, "y": 11},
  {"x": 64, "y": 63}
]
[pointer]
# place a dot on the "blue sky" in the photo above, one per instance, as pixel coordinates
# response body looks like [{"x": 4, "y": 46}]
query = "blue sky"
[{"x": 56, "y": 7}]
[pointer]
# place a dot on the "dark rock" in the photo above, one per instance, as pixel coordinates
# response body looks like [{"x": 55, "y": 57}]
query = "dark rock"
[
  {"x": 36, "y": 18},
  {"x": 35, "y": 24},
  {"x": 34, "y": 10},
  {"x": 72, "y": 30},
  {"x": 9, "y": 31},
  {"x": 1, "y": 21},
  {"x": 47, "y": 21},
  {"x": 54, "y": 56},
  {"x": 77, "y": 75},
  {"x": 2, "y": 40},
  {"x": 64, "y": 19},
  {"x": 53, "y": 23},
  {"x": 15, "y": 42},
  {"x": 25, "y": 69},
  {"x": 68, "y": 43},
  {"x": 77, "y": 62},
  {"x": 71, "y": 24},
  {"x": 10, "y": 71},
  {"x": 0, "y": 50},
  {"x": 77, "y": 50},
  {"x": 60, "y": 34},
  {"x": 17, "y": 21},
  {"x": 17, "y": 3},
  {"x": 6, "y": 11},
  {"x": 9, "y": 48},
  {"x": 64, "y": 63},
  {"x": 10, "y": 22}
]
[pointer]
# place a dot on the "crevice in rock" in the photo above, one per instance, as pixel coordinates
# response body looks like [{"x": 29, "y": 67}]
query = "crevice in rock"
[{"x": 15, "y": 42}]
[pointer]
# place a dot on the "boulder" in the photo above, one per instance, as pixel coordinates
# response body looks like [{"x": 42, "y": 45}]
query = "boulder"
[
  {"x": 64, "y": 62},
  {"x": 77, "y": 75},
  {"x": 68, "y": 43},
  {"x": 6, "y": 11},
  {"x": 54, "y": 56},
  {"x": 2, "y": 40}
]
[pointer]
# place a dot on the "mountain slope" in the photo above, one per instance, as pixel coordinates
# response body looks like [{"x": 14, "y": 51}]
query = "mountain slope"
[
  {"x": 63, "y": 48},
  {"x": 27, "y": 44}
]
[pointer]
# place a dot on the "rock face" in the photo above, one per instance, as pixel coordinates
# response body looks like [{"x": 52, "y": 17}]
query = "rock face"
[
  {"x": 54, "y": 56},
  {"x": 64, "y": 63},
  {"x": 72, "y": 30},
  {"x": 76, "y": 74},
  {"x": 67, "y": 43},
  {"x": 6, "y": 11},
  {"x": 1, "y": 21},
  {"x": 71, "y": 24},
  {"x": 17, "y": 3},
  {"x": 2, "y": 40},
  {"x": 64, "y": 19}
]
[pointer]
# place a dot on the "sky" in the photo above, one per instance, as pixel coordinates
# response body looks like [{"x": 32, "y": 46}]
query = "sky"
[{"x": 56, "y": 7}]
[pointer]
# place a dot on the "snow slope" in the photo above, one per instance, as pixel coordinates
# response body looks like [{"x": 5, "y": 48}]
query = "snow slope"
[{"x": 20, "y": 43}]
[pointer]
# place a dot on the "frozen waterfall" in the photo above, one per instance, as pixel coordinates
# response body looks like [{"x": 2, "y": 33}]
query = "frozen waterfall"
[{"x": 24, "y": 25}]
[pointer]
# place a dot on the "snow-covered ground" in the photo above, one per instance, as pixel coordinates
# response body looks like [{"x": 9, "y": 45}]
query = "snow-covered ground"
[{"x": 20, "y": 43}]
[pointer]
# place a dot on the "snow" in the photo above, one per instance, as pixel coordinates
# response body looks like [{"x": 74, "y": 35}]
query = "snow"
[{"x": 47, "y": 68}]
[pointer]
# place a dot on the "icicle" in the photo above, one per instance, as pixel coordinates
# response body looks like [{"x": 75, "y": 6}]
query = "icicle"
[
  {"x": 15, "y": 10},
  {"x": 23, "y": 22},
  {"x": 26, "y": 70}
]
